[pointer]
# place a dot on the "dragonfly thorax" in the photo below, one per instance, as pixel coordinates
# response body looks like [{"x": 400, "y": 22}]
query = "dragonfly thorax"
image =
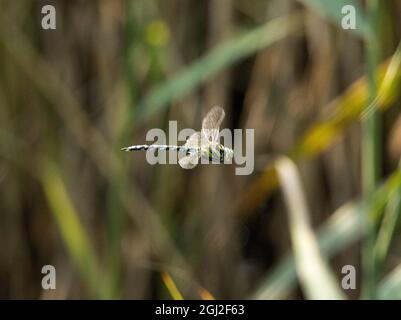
[{"x": 216, "y": 152}]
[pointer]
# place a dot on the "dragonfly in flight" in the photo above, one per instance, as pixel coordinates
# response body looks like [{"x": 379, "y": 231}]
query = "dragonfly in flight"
[{"x": 204, "y": 144}]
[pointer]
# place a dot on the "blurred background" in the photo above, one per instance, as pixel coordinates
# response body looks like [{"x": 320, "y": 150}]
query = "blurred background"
[{"x": 114, "y": 226}]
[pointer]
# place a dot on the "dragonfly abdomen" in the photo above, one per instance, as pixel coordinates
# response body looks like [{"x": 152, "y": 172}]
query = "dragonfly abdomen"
[{"x": 145, "y": 147}]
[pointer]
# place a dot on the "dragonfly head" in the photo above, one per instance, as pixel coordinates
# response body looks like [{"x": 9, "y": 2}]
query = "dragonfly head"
[{"x": 228, "y": 155}]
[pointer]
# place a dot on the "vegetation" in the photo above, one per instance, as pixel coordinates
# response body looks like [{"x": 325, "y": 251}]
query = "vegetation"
[{"x": 324, "y": 103}]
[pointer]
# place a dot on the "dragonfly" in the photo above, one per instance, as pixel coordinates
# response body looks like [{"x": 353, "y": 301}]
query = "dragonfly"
[{"x": 204, "y": 144}]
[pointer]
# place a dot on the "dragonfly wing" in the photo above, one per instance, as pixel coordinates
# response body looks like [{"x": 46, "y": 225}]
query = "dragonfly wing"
[
  {"x": 196, "y": 140},
  {"x": 211, "y": 123},
  {"x": 189, "y": 162}
]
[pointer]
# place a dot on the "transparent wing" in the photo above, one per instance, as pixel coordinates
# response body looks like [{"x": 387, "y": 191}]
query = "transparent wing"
[
  {"x": 211, "y": 123},
  {"x": 189, "y": 162},
  {"x": 196, "y": 140}
]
